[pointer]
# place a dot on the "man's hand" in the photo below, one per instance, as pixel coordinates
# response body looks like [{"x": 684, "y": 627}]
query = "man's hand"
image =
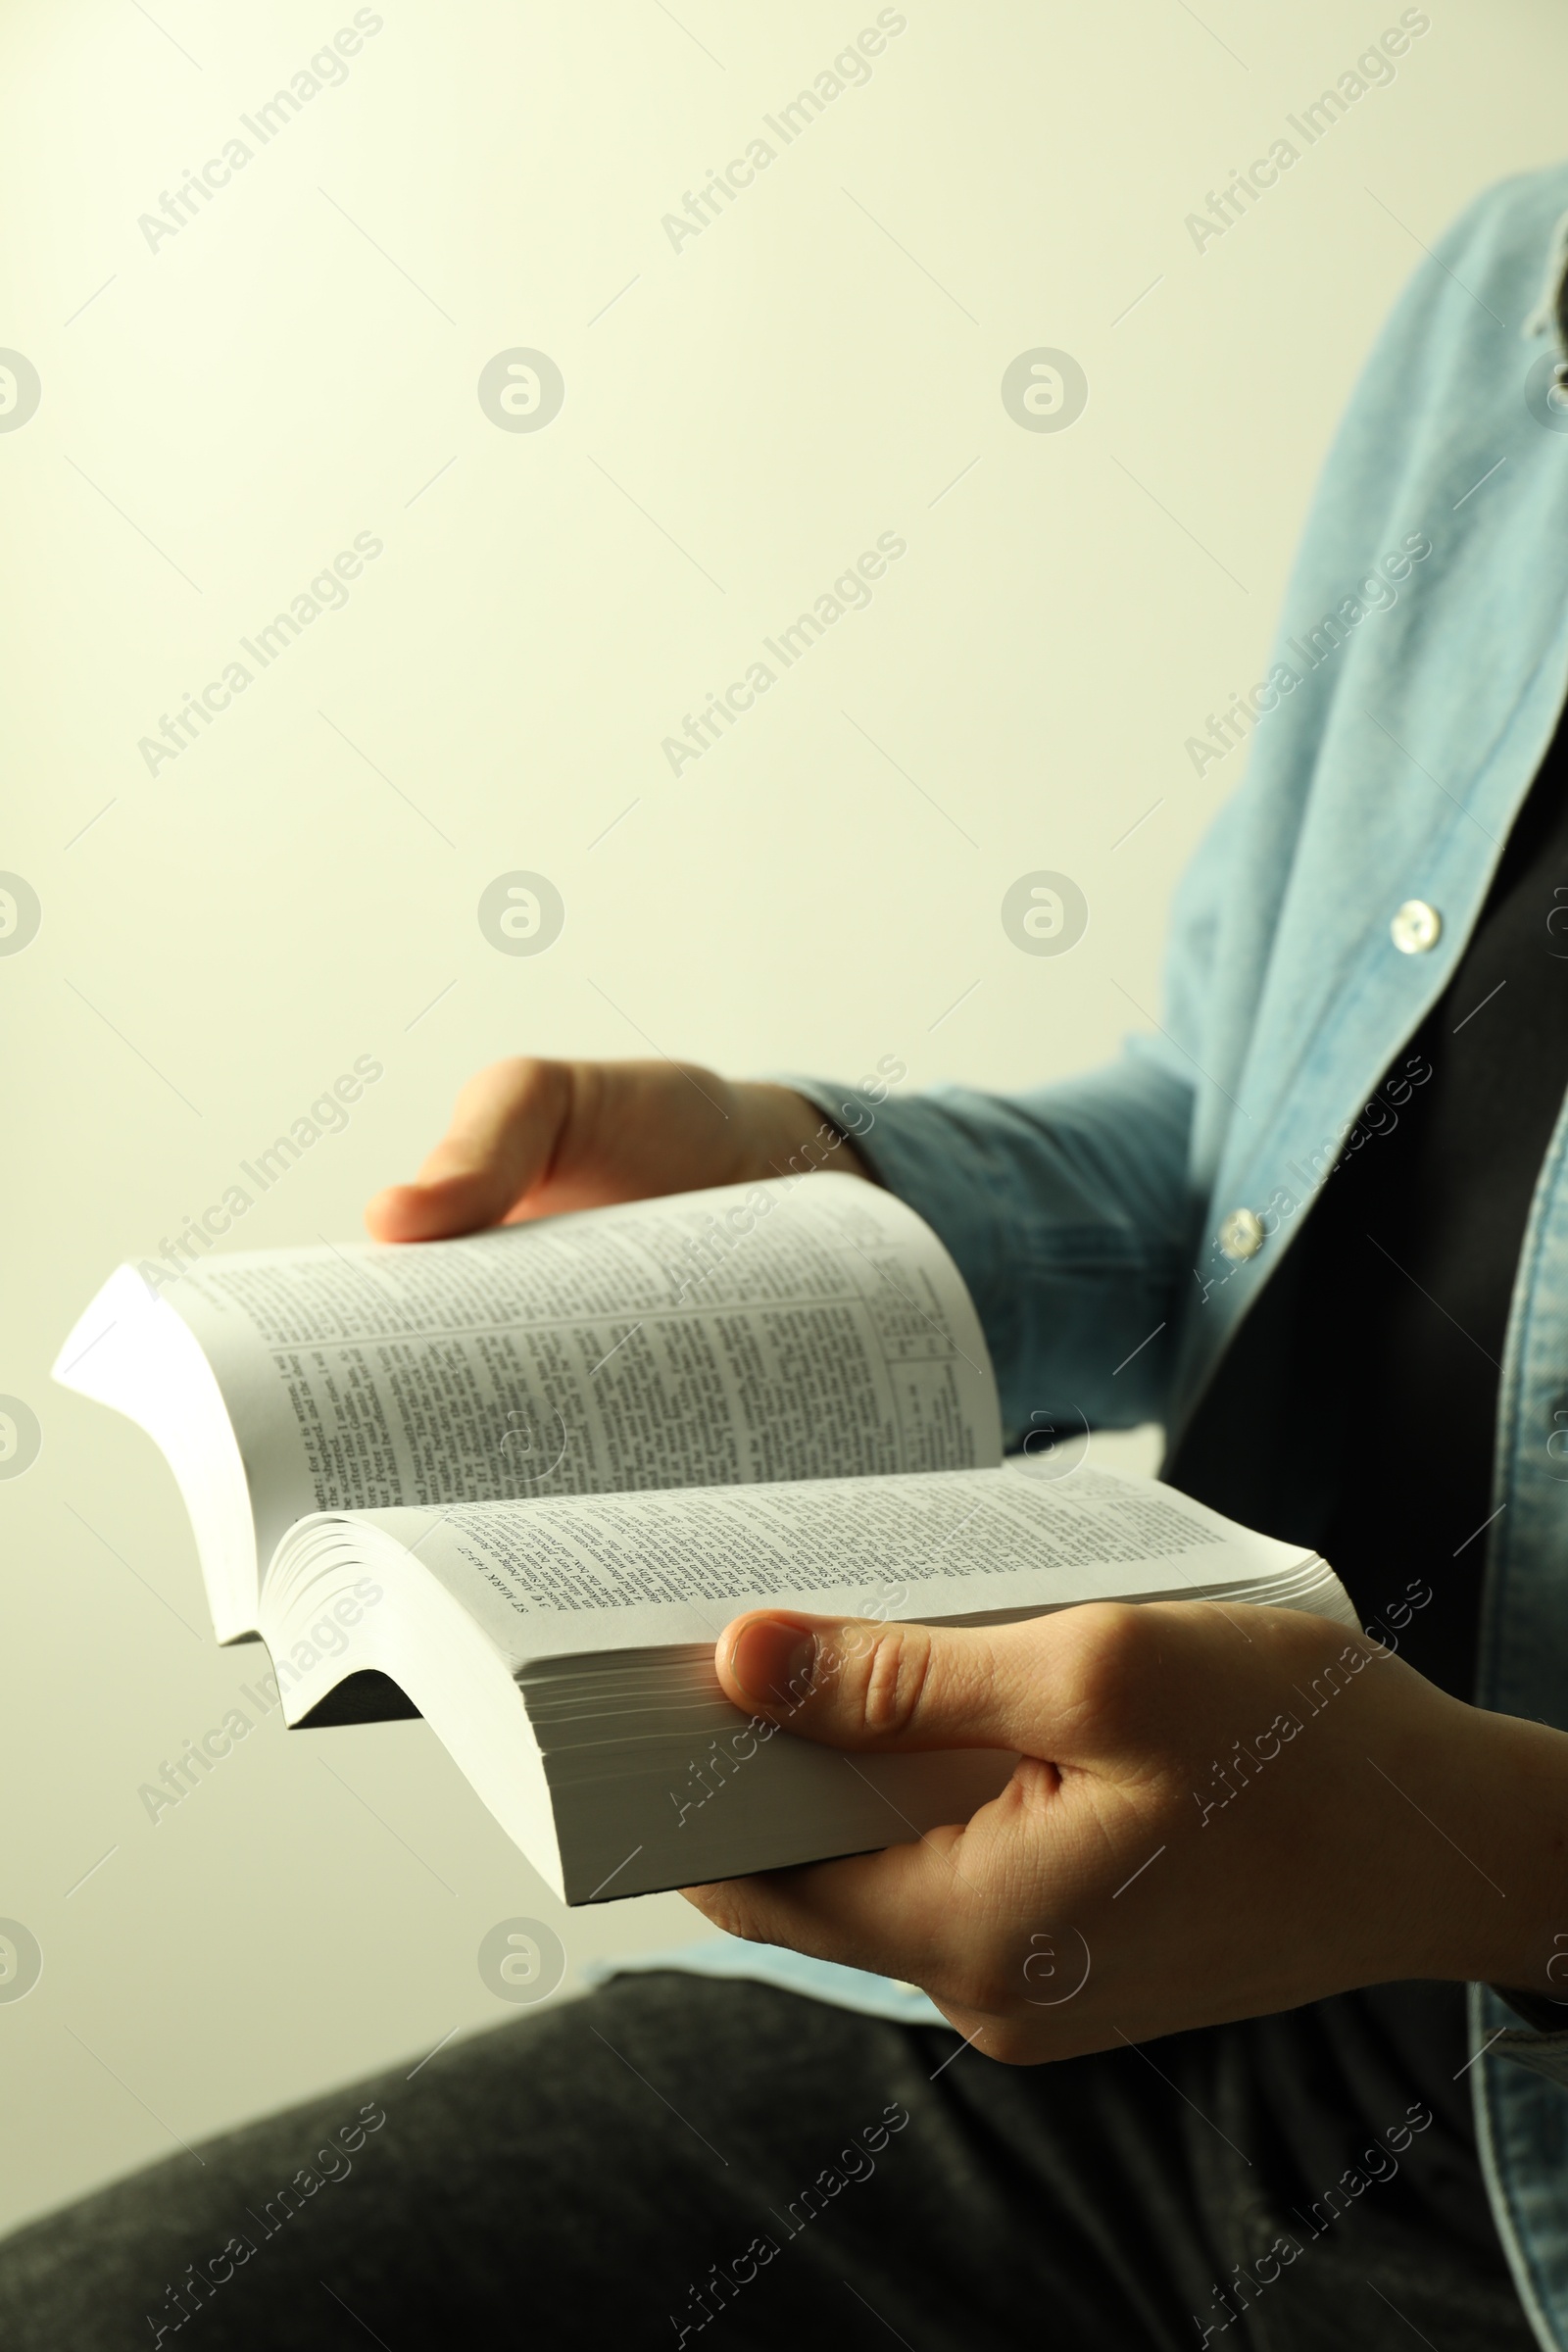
[
  {"x": 1217, "y": 1812},
  {"x": 529, "y": 1138}
]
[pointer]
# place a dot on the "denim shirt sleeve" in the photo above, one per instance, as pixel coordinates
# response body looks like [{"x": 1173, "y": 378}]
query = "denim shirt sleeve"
[{"x": 1065, "y": 1211}]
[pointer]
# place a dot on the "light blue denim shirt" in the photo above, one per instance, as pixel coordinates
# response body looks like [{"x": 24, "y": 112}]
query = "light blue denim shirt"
[{"x": 1403, "y": 736}]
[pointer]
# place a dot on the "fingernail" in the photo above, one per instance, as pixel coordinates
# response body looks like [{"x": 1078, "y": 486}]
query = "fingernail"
[{"x": 773, "y": 1661}]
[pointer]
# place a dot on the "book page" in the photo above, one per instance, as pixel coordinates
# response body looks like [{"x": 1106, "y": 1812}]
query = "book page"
[
  {"x": 551, "y": 1578},
  {"x": 799, "y": 1329}
]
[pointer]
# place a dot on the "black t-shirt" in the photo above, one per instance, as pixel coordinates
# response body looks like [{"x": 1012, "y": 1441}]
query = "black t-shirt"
[{"x": 1355, "y": 1413}]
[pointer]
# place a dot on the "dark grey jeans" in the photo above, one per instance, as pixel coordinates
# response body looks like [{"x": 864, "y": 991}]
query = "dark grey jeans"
[{"x": 674, "y": 2159}]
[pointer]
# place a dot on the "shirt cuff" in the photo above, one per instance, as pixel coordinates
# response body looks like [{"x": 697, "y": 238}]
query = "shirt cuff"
[
  {"x": 788, "y": 1970},
  {"x": 1545, "y": 2047}
]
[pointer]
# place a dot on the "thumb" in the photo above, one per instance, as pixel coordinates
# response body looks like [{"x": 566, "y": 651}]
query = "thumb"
[
  {"x": 857, "y": 1683},
  {"x": 505, "y": 1129}
]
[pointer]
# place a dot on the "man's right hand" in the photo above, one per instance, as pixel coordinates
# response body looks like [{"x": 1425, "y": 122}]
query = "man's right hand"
[{"x": 529, "y": 1138}]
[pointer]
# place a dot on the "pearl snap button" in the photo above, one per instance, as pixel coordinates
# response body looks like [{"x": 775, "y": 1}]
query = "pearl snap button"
[
  {"x": 1241, "y": 1234},
  {"x": 1416, "y": 927}
]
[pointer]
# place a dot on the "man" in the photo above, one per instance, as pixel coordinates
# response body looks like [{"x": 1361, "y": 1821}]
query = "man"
[{"x": 1207, "y": 1955}]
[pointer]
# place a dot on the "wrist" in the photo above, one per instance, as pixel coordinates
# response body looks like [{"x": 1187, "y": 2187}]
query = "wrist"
[
  {"x": 1509, "y": 1926},
  {"x": 793, "y": 1138}
]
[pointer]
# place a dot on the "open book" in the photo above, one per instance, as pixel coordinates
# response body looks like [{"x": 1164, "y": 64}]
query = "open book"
[{"x": 519, "y": 1483}]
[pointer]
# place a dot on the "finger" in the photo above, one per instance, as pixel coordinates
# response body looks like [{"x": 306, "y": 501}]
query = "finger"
[
  {"x": 506, "y": 1126},
  {"x": 858, "y": 1684}
]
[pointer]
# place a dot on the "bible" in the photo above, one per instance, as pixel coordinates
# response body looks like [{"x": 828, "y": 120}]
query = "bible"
[{"x": 517, "y": 1482}]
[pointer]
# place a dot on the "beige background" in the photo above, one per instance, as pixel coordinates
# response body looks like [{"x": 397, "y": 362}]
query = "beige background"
[{"x": 743, "y": 417}]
